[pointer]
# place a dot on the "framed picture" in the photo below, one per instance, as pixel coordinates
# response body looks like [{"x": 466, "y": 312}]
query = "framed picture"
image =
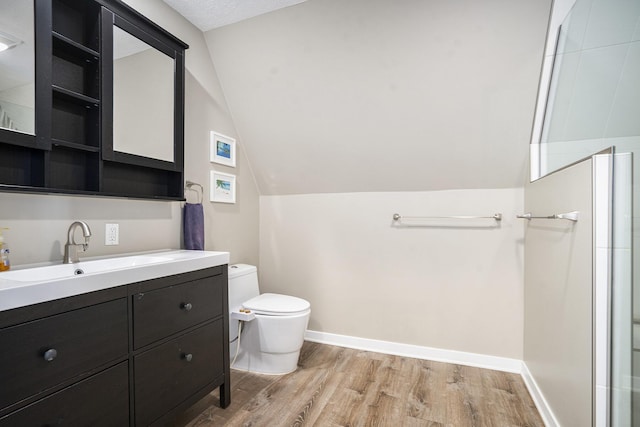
[
  {"x": 222, "y": 149},
  {"x": 223, "y": 187}
]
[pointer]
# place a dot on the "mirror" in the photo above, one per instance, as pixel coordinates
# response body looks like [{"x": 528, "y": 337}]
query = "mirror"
[
  {"x": 143, "y": 98},
  {"x": 17, "y": 69}
]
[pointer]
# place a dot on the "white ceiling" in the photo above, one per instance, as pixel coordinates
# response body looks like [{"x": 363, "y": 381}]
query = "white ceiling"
[{"x": 209, "y": 14}]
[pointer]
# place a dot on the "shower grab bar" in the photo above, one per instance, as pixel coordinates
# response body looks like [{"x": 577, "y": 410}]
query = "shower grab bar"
[
  {"x": 497, "y": 217},
  {"x": 569, "y": 216}
]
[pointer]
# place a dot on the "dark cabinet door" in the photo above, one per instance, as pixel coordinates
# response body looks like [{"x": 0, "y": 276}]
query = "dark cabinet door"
[
  {"x": 99, "y": 401},
  {"x": 168, "y": 374}
]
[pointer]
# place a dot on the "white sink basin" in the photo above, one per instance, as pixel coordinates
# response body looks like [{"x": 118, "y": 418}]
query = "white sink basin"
[
  {"x": 60, "y": 271},
  {"x": 28, "y": 286}
]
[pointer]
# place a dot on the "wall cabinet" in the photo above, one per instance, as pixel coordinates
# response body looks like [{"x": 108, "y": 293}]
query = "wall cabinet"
[
  {"x": 73, "y": 147},
  {"x": 133, "y": 355}
]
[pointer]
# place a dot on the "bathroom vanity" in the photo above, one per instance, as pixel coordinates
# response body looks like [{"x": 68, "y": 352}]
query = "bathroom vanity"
[{"x": 136, "y": 349}]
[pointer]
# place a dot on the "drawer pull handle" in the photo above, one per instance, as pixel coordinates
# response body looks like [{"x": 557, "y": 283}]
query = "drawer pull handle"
[
  {"x": 187, "y": 357},
  {"x": 187, "y": 306},
  {"x": 50, "y": 354}
]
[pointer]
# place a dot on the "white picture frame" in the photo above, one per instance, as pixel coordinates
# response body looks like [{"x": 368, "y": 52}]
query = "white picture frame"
[
  {"x": 222, "y": 149},
  {"x": 223, "y": 187}
]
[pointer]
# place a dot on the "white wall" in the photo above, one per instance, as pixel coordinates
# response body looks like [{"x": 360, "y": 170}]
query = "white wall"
[
  {"x": 558, "y": 325},
  {"x": 232, "y": 228},
  {"x": 456, "y": 285},
  {"x": 352, "y": 110},
  {"x": 337, "y": 96},
  {"x": 39, "y": 223}
]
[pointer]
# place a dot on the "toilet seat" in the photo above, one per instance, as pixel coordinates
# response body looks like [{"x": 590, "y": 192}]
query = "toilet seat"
[{"x": 276, "y": 305}]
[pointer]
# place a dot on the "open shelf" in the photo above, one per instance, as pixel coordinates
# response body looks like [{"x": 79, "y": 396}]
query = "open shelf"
[
  {"x": 78, "y": 21},
  {"x": 73, "y": 96},
  {"x": 71, "y": 169},
  {"x": 138, "y": 181},
  {"x": 21, "y": 166},
  {"x": 75, "y": 89},
  {"x": 74, "y": 122},
  {"x": 75, "y": 74},
  {"x": 63, "y": 43},
  {"x": 73, "y": 145}
]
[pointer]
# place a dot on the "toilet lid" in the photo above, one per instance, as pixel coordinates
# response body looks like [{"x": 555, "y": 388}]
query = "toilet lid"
[{"x": 274, "y": 304}]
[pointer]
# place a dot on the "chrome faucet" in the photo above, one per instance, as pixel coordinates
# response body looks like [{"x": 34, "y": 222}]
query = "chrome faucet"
[{"x": 71, "y": 248}]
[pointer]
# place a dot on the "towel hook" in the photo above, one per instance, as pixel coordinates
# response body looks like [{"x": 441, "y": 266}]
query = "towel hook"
[{"x": 190, "y": 184}]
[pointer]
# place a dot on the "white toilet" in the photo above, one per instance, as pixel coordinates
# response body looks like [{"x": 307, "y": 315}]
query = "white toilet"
[{"x": 271, "y": 342}]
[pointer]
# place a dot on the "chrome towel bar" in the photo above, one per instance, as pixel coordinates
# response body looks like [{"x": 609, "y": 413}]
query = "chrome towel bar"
[
  {"x": 569, "y": 216},
  {"x": 398, "y": 217}
]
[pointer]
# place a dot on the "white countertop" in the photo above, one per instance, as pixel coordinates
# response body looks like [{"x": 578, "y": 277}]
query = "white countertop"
[{"x": 26, "y": 286}]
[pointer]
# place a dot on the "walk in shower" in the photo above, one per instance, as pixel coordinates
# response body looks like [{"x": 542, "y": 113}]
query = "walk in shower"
[{"x": 589, "y": 101}]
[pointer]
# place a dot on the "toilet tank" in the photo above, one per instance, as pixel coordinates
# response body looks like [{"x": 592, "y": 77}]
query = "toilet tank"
[{"x": 243, "y": 284}]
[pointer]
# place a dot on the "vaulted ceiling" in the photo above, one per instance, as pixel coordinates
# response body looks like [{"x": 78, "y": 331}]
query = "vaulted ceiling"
[
  {"x": 384, "y": 95},
  {"x": 209, "y": 14}
]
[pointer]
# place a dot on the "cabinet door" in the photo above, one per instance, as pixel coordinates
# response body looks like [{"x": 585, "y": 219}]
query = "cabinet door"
[
  {"x": 163, "y": 312},
  {"x": 168, "y": 374},
  {"x": 41, "y": 354},
  {"x": 100, "y": 400}
]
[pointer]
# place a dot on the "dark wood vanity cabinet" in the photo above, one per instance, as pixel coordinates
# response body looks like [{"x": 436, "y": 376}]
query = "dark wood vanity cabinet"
[
  {"x": 180, "y": 343},
  {"x": 133, "y": 355}
]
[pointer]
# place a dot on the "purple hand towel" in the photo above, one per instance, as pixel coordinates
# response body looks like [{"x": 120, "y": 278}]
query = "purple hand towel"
[{"x": 193, "y": 226}]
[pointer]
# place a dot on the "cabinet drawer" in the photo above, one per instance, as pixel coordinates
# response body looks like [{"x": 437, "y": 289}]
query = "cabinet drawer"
[
  {"x": 162, "y": 312},
  {"x": 168, "y": 374},
  {"x": 100, "y": 400},
  {"x": 75, "y": 342}
]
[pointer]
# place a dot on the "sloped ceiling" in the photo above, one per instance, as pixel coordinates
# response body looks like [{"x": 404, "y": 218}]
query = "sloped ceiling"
[
  {"x": 209, "y": 14},
  {"x": 384, "y": 95}
]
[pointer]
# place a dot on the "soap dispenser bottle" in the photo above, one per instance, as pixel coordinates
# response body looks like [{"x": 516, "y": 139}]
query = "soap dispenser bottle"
[{"x": 5, "y": 264}]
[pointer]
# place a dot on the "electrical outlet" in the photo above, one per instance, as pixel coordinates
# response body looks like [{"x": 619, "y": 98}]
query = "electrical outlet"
[{"x": 111, "y": 234}]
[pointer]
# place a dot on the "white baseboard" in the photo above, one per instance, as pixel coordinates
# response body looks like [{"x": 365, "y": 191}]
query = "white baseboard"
[
  {"x": 418, "y": 352},
  {"x": 538, "y": 398}
]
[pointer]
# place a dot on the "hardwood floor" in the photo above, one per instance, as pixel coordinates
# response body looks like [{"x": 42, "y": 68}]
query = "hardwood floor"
[{"x": 336, "y": 386}]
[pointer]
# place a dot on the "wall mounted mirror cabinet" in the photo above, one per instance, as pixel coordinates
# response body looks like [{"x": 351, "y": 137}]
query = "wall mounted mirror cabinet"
[{"x": 109, "y": 104}]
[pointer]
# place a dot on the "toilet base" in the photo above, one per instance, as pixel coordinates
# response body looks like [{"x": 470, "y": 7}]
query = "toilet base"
[
  {"x": 266, "y": 363},
  {"x": 270, "y": 344}
]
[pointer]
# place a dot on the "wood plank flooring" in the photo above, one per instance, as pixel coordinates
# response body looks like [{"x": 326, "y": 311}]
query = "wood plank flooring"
[{"x": 336, "y": 386}]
